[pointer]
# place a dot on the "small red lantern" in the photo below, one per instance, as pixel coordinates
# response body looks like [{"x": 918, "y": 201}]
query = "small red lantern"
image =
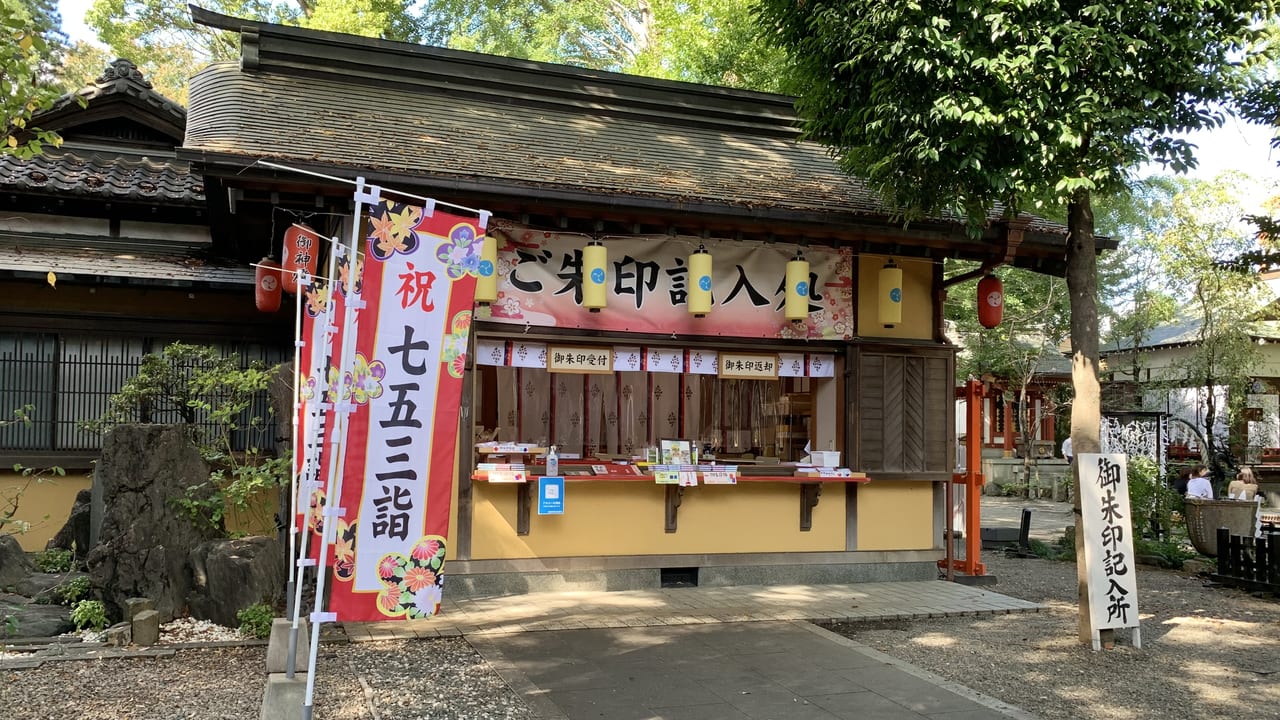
[
  {"x": 266, "y": 291},
  {"x": 301, "y": 250},
  {"x": 990, "y": 301}
]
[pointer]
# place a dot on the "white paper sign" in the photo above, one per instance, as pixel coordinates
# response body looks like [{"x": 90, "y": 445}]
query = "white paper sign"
[
  {"x": 822, "y": 365},
  {"x": 790, "y": 364},
  {"x": 664, "y": 360},
  {"x": 626, "y": 359},
  {"x": 719, "y": 477},
  {"x": 1108, "y": 540},
  {"x": 703, "y": 362},
  {"x": 666, "y": 477},
  {"x": 507, "y": 476},
  {"x": 491, "y": 352},
  {"x": 528, "y": 354}
]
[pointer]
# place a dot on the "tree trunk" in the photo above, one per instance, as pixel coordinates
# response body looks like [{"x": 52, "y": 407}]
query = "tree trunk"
[{"x": 1086, "y": 413}]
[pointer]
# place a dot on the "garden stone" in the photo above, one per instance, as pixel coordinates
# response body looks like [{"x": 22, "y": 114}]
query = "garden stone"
[
  {"x": 14, "y": 563},
  {"x": 144, "y": 542},
  {"x": 146, "y": 628},
  {"x": 231, "y": 575},
  {"x": 119, "y": 635},
  {"x": 133, "y": 606},
  {"x": 36, "y": 620},
  {"x": 278, "y": 646},
  {"x": 39, "y": 586},
  {"x": 74, "y": 534}
]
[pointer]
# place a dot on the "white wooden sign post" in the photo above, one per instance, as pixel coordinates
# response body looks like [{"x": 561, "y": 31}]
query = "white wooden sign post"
[{"x": 1108, "y": 544}]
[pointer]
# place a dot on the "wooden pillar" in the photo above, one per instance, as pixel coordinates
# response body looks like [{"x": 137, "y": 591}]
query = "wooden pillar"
[{"x": 1008, "y": 429}]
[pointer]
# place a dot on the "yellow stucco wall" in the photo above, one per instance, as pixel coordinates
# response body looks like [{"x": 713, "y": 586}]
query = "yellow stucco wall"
[
  {"x": 45, "y": 504},
  {"x": 917, "y": 298},
  {"x": 617, "y": 518},
  {"x": 895, "y": 516},
  {"x": 260, "y": 519}
]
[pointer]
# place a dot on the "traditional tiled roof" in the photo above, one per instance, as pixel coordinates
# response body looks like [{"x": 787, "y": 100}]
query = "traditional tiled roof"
[
  {"x": 1186, "y": 331},
  {"x": 136, "y": 163},
  {"x": 121, "y": 80},
  {"x": 87, "y": 259},
  {"x": 103, "y": 175},
  {"x": 479, "y": 124}
]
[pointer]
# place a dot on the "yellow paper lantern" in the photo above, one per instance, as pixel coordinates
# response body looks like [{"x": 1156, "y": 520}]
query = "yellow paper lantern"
[
  {"x": 889, "y": 307},
  {"x": 797, "y": 304},
  {"x": 594, "y": 274},
  {"x": 699, "y": 283},
  {"x": 487, "y": 272}
]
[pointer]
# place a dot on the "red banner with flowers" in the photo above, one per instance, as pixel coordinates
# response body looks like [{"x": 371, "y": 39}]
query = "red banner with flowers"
[
  {"x": 323, "y": 319},
  {"x": 418, "y": 285}
]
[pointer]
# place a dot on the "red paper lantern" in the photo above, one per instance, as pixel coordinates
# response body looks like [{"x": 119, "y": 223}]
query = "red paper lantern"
[
  {"x": 266, "y": 290},
  {"x": 301, "y": 250},
  {"x": 990, "y": 301}
]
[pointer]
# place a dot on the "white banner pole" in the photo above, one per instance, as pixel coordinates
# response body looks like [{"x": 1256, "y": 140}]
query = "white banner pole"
[
  {"x": 312, "y": 441},
  {"x": 342, "y": 408},
  {"x": 295, "y": 462}
]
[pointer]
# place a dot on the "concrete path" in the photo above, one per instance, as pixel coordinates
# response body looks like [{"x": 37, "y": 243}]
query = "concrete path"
[
  {"x": 730, "y": 671},
  {"x": 543, "y": 611},
  {"x": 725, "y": 653},
  {"x": 1048, "y": 518},
  {"x": 713, "y": 653}
]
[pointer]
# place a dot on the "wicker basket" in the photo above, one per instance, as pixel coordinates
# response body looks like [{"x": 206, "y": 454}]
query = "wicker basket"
[{"x": 1204, "y": 517}]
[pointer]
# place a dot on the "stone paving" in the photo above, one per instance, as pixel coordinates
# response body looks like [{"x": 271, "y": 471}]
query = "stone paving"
[
  {"x": 722, "y": 671},
  {"x": 696, "y": 606}
]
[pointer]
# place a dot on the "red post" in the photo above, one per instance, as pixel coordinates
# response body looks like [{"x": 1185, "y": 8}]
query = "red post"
[
  {"x": 973, "y": 480},
  {"x": 1008, "y": 429}
]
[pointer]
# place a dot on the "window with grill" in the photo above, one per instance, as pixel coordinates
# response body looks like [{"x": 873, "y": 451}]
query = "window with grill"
[{"x": 68, "y": 379}]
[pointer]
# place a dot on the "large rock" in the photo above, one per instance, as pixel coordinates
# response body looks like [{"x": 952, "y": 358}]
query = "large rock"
[
  {"x": 145, "y": 541},
  {"x": 34, "y": 620},
  {"x": 41, "y": 587},
  {"x": 14, "y": 563},
  {"x": 74, "y": 534},
  {"x": 230, "y": 575}
]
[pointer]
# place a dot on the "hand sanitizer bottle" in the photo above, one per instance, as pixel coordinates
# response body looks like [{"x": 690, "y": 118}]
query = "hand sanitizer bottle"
[{"x": 553, "y": 462}]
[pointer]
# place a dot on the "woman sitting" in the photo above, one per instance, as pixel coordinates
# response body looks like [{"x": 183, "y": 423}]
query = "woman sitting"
[
  {"x": 1199, "y": 485},
  {"x": 1244, "y": 487}
]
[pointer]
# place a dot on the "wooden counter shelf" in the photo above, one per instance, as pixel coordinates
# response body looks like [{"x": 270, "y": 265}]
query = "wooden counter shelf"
[{"x": 810, "y": 491}]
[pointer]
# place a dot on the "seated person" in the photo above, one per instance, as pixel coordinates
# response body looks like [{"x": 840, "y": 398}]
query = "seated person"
[
  {"x": 1199, "y": 485},
  {"x": 1244, "y": 487},
  {"x": 1184, "y": 477}
]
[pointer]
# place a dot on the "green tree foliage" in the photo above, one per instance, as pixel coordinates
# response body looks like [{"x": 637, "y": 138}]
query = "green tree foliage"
[
  {"x": 30, "y": 50},
  {"x": 967, "y": 107},
  {"x": 710, "y": 41},
  {"x": 959, "y": 107},
  {"x": 213, "y": 396},
  {"x": 707, "y": 41},
  {"x": 1200, "y": 228},
  {"x": 1009, "y": 356}
]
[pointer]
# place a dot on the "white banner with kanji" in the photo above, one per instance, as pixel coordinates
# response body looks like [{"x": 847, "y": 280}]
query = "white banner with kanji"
[
  {"x": 1108, "y": 541},
  {"x": 418, "y": 285}
]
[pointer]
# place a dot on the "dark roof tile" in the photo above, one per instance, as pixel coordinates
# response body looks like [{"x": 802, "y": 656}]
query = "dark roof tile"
[{"x": 107, "y": 176}]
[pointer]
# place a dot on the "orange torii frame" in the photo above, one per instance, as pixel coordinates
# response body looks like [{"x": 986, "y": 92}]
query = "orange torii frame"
[{"x": 972, "y": 480}]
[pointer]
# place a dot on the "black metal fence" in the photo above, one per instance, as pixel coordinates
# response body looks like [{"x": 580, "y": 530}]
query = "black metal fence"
[
  {"x": 1250, "y": 563},
  {"x": 68, "y": 379}
]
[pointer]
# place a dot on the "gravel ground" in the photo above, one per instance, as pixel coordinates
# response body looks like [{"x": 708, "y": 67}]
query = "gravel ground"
[
  {"x": 193, "y": 684},
  {"x": 440, "y": 679},
  {"x": 1207, "y": 652}
]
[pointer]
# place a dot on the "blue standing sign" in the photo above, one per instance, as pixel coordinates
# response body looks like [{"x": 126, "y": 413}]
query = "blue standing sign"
[{"x": 551, "y": 496}]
